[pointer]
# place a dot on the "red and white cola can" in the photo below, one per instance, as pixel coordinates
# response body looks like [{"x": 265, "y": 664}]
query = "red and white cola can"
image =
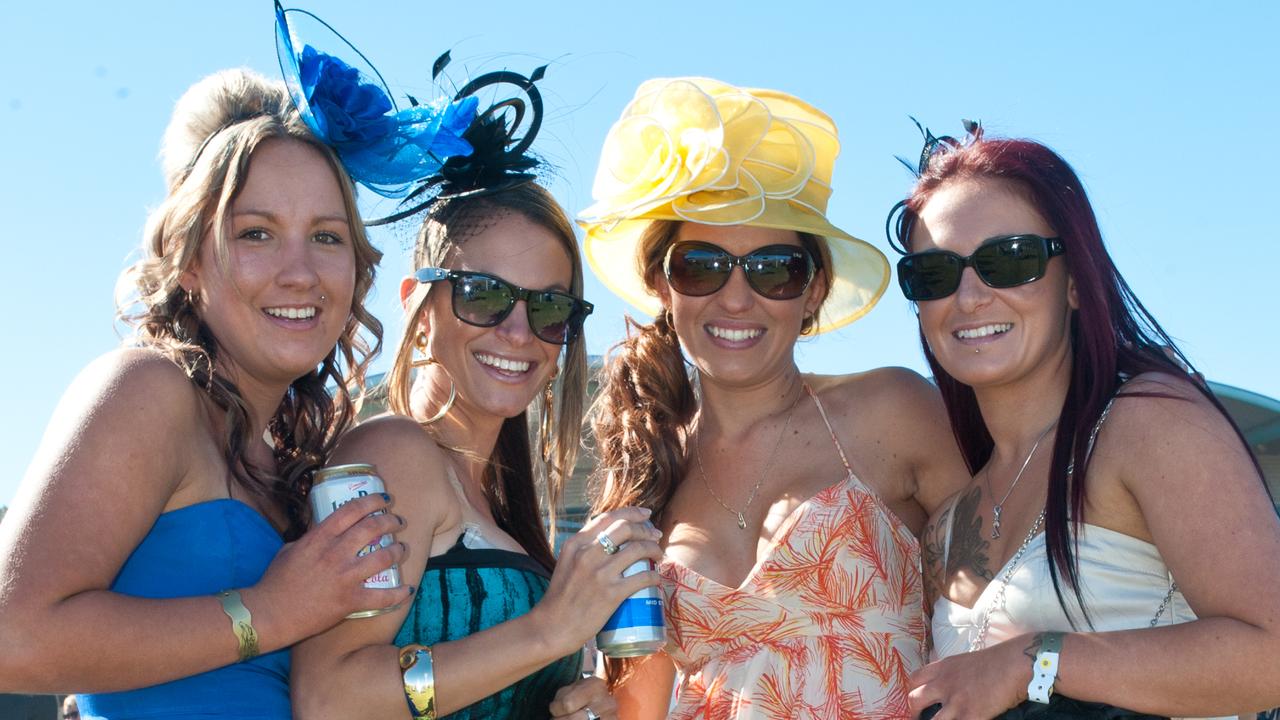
[{"x": 340, "y": 484}]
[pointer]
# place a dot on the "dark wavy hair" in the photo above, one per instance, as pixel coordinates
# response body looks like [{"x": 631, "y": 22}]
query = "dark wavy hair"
[
  {"x": 207, "y": 150},
  {"x": 1113, "y": 337}
]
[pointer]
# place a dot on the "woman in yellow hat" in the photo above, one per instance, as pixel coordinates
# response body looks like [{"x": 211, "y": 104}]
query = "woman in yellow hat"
[{"x": 790, "y": 502}]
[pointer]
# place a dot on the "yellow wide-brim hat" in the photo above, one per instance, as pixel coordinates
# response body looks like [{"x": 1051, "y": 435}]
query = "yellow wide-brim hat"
[{"x": 698, "y": 150}]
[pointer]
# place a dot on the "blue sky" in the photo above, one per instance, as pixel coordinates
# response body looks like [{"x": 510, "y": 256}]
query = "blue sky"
[{"x": 1167, "y": 110}]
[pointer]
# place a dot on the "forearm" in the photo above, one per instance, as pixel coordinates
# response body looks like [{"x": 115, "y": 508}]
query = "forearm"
[
  {"x": 1211, "y": 666},
  {"x": 101, "y": 641},
  {"x": 366, "y": 682},
  {"x": 645, "y": 694}
]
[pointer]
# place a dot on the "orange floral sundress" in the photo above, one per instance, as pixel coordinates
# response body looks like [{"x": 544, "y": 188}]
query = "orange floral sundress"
[{"x": 827, "y": 625}]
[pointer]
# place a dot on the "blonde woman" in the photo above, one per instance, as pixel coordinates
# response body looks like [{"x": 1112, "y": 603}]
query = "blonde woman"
[{"x": 154, "y": 544}]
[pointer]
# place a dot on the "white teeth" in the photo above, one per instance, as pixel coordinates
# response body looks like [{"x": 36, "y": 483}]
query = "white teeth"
[
  {"x": 984, "y": 331},
  {"x": 734, "y": 335},
  {"x": 292, "y": 313},
  {"x": 515, "y": 366}
]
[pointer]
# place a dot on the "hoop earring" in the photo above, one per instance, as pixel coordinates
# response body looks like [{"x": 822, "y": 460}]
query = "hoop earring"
[
  {"x": 448, "y": 405},
  {"x": 548, "y": 404},
  {"x": 420, "y": 344}
]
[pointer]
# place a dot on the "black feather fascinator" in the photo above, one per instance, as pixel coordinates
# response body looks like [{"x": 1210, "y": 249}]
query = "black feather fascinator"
[{"x": 896, "y": 226}]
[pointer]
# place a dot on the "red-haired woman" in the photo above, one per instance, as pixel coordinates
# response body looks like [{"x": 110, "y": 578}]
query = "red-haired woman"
[{"x": 1117, "y": 544}]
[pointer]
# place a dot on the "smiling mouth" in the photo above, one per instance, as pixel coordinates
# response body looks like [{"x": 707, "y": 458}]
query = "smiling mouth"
[
  {"x": 302, "y": 313},
  {"x": 512, "y": 367},
  {"x": 734, "y": 335},
  {"x": 984, "y": 331}
]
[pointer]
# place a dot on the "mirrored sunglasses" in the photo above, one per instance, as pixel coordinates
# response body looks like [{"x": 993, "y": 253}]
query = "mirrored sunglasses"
[
  {"x": 485, "y": 300},
  {"x": 776, "y": 272}
]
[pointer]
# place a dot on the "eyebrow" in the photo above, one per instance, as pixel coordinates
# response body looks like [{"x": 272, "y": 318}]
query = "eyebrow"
[{"x": 275, "y": 218}]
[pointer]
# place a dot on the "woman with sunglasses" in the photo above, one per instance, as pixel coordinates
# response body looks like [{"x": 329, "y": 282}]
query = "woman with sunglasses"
[
  {"x": 790, "y": 502},
  {"x": 493, "y": 339},
  {"x": 154, "y": 558},
  {"x": 1113, "y": 501}
]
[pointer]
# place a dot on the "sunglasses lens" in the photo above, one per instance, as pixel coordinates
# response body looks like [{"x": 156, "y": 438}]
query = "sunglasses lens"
[
  {"x": 929, "y": 275},
  {"x": 555, "y": 317},
  {"x": 697, "y": 270},
  {"x": 778, "y": 273},
  {"x": 481, "y": 300},
  {"x": 1011, "y": 262}
]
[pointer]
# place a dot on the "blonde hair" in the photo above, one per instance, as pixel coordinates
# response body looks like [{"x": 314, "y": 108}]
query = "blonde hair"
[
  {"x": 207, "y": 149},
  {"x": 509, "y": 483}
]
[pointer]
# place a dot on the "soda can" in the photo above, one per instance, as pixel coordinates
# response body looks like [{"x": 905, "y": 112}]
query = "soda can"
[
  {"x": 636, "y": 628},
  {"x": 340, "y": 484}
]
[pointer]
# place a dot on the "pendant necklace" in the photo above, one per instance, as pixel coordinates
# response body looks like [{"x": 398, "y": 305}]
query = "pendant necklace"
[
  {"x": 702, "y": 473},
  {"x": 998, "y": 508}
]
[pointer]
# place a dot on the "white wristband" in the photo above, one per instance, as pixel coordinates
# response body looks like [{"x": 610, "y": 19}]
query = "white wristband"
[{"x": 1044, "y": 671}]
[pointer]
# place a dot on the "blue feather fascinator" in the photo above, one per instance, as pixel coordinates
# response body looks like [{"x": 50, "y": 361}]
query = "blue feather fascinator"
[{"x": 447, "y": 147}]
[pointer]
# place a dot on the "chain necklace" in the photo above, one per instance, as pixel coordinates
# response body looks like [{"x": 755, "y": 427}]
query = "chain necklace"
[
  {"x": 998, "y": 508},
  {"x": 997, "y": 602},
  {"x": 702, "y": 473}
]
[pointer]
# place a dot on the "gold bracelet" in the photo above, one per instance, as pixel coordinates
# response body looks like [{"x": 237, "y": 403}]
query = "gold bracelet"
[
  {"x": 419, "y": 681},
  {"x": 241, "y": 623}
]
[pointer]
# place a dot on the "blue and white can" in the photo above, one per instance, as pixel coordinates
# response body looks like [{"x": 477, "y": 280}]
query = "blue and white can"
[{"x": 636, "y": 628}]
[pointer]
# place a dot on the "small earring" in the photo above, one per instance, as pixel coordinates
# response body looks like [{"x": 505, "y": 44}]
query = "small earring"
[
  {"x": 977, "y": 350},
  {"x": 420, "y": 344},
  {"x": 192, "y": 297}
]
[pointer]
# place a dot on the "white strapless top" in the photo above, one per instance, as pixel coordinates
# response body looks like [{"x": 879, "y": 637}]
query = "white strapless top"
[{"x": 1123, "y": 580}]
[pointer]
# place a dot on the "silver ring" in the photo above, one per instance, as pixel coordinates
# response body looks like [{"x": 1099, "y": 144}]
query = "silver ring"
[
  {"x": 609, "y": 549},
  {"x": 591, "y": 715}
]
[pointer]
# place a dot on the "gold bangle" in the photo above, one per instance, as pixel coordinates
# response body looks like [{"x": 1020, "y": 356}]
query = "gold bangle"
[
  {"x": 241, "y": 623},
  {"x": 419, "y": 681}
]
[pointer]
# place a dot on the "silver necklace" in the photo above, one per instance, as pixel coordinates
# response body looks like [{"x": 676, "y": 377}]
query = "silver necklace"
[
  {"x": 702, "y": 473},
  {"x": 997, "y": 602},
  {"x": 998, "y": 509}
]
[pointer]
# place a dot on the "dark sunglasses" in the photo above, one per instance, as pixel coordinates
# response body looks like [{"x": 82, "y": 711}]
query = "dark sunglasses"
[
  {"x": 1001, "y": 262},
  {"x": 484, "y": 301},
  {"x": 776, "y": 272}
]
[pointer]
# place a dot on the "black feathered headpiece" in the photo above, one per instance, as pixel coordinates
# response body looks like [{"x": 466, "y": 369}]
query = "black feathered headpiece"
[
  {"x": 500, "y": 137},
  {"x": 932, "y": 146}
]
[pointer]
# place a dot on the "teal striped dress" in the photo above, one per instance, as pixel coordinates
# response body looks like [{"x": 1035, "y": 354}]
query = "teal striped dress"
[{"x": 466, "y": 590}]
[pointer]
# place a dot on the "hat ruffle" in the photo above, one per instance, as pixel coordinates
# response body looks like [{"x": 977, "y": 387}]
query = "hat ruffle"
[{"x": 699, "y": 150}]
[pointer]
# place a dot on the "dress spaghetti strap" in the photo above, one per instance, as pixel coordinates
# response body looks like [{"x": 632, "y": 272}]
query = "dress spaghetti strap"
[{"x": 822, "y": 411}]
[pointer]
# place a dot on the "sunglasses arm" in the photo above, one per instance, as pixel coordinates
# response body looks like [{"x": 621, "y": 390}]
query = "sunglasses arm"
[{"x": 430, "y": 274}]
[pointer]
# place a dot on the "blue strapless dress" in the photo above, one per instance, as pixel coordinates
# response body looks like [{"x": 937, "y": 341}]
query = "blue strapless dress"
[
  {"x": 200, "y": 550},
  {"x": 466, "y": 590}
]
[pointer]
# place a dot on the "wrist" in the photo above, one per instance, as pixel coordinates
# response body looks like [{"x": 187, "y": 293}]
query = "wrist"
[
  {"x": 1045, "y": 649},
  {"x": 546, "y": 637}
]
